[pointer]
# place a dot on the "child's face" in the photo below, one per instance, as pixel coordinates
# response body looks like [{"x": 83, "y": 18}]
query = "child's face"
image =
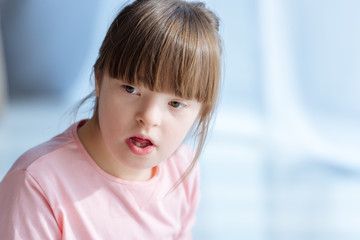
[{"x": 141, "y": 128}]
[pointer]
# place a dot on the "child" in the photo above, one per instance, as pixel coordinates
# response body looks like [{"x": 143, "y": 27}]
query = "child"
[{"x": 124, "y": 173}]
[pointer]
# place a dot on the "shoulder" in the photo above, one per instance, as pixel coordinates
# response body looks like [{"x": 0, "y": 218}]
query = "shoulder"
[
  {"x": 47, "y": 169},
  {"x": 187, "y": 194},
  {"x": 44, "y": 153},
  {"x": 181, "y": 160},
  {"x": 178, "y": 165},
  {"x": 183, "y": 156}
]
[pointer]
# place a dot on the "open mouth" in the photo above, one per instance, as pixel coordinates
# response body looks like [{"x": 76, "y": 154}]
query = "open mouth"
[
  {"x": 140, "y": 146},
  {"x": 141, "y": 143}
]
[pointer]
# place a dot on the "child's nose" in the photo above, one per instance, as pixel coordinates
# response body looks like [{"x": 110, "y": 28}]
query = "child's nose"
[{"x": 149, "y": 114}]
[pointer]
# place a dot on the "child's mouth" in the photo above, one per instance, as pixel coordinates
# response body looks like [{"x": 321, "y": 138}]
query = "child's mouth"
[
  {"x": 141, "y": 143},
  {"x": 140, "y": 146}
]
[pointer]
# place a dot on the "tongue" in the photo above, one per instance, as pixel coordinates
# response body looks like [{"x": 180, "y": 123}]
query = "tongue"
[{"x": 141, "y": 141}]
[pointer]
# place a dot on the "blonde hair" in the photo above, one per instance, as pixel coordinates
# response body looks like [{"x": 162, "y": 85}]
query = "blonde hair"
[{"x": 167, "y": 45}]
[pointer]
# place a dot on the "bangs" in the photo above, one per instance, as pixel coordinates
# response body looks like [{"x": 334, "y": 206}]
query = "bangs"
[{"x": 167, "y": 48}]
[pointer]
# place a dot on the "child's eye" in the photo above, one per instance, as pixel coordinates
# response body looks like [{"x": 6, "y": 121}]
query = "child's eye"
[
  {"x": 176, "y": 104},
  {"x": 130, "y": 89}
]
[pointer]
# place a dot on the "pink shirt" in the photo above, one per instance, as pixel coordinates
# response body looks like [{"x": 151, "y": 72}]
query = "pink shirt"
[{"x": 56, "y": 191}]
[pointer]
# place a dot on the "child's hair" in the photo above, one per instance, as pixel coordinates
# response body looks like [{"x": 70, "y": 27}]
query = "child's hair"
[{"x": 167, "y": 45}]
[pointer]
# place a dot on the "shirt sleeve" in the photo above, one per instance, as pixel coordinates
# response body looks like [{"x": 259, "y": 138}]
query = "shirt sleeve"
[
  {"x": 193, "y": 190},
  {"x": 25, "y": 212}
]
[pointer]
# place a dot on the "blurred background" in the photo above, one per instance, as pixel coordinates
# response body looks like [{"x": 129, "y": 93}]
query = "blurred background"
[{"x": 283, "y": 161}]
